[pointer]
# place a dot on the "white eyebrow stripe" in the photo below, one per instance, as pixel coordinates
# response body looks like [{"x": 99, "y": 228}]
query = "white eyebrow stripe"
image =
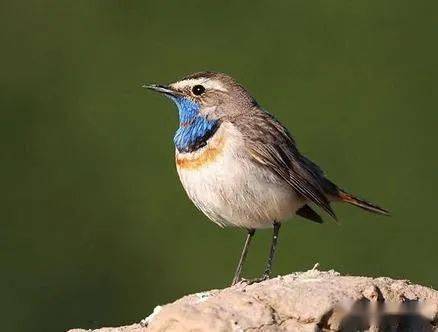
[{"x": 211, "y": 84}]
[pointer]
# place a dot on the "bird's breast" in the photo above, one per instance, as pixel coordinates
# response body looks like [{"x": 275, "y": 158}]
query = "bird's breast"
[{"x": 223, "y": 182}]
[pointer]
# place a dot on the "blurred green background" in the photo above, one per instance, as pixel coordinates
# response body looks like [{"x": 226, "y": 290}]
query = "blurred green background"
[{"x": 95, "y": 226}]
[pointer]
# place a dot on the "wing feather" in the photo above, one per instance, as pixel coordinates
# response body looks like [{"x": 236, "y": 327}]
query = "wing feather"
[{"x": 270, "y": 144}]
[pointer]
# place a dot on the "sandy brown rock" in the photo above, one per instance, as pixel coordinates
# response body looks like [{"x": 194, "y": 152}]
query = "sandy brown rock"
[{"x": 309, "y": 301}]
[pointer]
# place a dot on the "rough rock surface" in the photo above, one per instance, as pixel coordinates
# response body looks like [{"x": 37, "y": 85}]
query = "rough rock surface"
[{"x": 305, "y": 301}]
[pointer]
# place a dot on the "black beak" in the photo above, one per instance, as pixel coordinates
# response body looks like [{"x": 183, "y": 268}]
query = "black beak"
[{"x": 167, "y": 90}]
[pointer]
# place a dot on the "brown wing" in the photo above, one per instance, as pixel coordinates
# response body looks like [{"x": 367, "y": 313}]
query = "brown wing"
[{"x": 271, "y": 145}]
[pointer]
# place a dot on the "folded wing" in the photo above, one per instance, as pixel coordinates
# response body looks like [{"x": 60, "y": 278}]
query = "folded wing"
[{"x": 270, "y": 144}]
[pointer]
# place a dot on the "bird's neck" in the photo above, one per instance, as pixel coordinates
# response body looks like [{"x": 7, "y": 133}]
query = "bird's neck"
[{"x": 194, "y": 129}]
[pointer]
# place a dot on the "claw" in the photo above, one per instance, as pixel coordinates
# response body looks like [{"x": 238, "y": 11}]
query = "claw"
[{"x": 256, "y": 280}]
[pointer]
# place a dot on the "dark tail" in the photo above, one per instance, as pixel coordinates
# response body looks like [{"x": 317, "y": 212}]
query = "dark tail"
[{"x": 353, "y": 200}]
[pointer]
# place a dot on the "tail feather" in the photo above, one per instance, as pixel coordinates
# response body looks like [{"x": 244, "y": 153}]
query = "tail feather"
[{"x": 353, "y": 200}]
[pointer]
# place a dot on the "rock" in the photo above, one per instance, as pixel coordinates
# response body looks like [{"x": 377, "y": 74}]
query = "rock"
[{"x": 305, "y": 301}]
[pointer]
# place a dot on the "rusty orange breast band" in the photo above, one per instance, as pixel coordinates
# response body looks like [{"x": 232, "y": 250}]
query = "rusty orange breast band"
[{"x": 202, "y": 158}]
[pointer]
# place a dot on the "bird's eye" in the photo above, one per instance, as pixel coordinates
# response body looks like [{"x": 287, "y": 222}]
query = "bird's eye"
[{"x": 198, "y": 90}]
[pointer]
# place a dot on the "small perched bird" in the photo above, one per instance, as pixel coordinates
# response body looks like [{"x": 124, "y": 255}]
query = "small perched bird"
[{"x": 240, "y": 166}]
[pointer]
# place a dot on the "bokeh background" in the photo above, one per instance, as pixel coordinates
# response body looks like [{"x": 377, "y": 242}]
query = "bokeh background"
[{"x": 95, "y": 226}]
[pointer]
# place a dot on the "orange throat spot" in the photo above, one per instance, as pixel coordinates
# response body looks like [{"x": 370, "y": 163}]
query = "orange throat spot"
[{"x": 202, "y": 158}]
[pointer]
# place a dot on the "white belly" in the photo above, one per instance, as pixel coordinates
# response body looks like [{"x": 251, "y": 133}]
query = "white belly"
[{"x": 230, "y": 189}]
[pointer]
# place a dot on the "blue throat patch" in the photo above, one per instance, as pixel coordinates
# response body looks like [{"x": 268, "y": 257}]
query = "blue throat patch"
[{"x": 194, "y": 129}]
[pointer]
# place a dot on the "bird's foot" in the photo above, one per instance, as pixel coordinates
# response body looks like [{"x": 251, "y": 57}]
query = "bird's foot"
[
  {"x": 236, "y": 281},
  {"x": 256, "y": 280}
]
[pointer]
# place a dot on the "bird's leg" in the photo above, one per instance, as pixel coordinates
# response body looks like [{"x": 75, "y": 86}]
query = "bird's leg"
[
  {"x": 268, "y": 269},
  {"x": 274, "y": 242},
  {"x": 242, "y": 259}
]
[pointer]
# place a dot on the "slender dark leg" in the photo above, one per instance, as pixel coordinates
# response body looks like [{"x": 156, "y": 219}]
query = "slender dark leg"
[
  {"x": 268, "y": 269},
  {"x": 242, "y": 259}
]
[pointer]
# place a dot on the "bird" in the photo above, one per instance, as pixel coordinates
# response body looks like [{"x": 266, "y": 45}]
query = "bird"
[{"x": 241, "y": 167}]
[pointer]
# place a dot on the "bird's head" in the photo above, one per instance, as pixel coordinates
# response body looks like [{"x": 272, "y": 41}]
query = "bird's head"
[{"x": 208, "y": 94}]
